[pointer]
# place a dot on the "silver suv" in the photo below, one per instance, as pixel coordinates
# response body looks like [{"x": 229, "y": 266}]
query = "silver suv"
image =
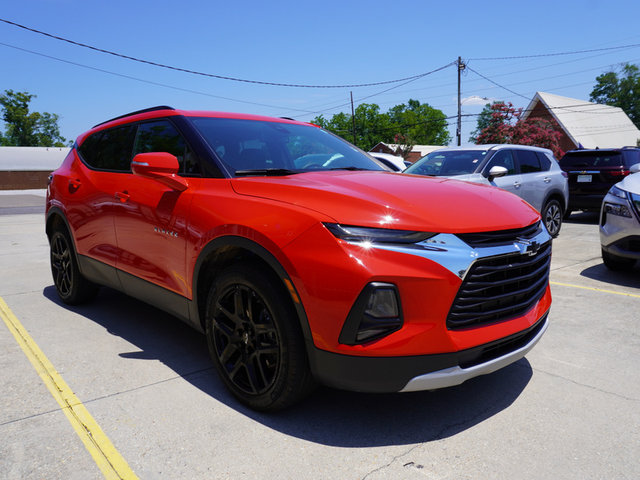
[
  {"x": 620, "y": 223},
  {"x": 532, "y": 173}
]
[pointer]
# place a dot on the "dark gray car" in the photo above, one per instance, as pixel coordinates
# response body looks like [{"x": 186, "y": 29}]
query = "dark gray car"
[{"x": 532, "y": 173}]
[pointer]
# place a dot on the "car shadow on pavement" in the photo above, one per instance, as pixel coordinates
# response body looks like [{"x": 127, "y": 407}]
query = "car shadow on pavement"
[
  {"x": 329, "y": 417},
  {"x": 584, "y": 218},
  {"x": 622, "y": 279}
]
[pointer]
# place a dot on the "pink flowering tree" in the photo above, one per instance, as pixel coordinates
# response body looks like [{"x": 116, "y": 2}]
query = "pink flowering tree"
[{"x": 505, "y": 126}]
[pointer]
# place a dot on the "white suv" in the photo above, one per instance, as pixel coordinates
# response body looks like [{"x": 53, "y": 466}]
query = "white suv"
[{"x": 532, "y": 173}]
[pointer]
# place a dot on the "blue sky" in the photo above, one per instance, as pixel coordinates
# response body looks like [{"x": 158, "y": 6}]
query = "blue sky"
[{"x": 311, "y": 43}]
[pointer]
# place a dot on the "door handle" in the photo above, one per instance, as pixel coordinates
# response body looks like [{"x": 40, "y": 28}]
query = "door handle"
[
  {"x": 516, "y": 184},
  {"x": 122, "y": 196},
  {"x": 547, "y": 180}
]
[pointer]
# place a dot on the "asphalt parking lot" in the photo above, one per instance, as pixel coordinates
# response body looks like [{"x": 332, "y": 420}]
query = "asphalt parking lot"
[{"x": 569, "y": 410}]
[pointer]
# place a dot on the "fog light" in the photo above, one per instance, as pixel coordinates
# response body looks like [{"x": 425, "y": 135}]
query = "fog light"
[{"x": 375, "y": 314}]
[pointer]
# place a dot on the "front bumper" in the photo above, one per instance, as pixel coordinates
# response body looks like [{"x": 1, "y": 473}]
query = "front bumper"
[{"x": 423, "y": 372}]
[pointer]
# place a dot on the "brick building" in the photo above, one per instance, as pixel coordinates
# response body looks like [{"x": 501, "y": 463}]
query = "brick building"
[{"x": 23, "y": 168}]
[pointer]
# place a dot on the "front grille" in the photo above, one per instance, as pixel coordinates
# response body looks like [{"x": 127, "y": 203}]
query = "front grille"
[
  {"x": 500, "y": 287},
  {"x": 501, "y": 237}
]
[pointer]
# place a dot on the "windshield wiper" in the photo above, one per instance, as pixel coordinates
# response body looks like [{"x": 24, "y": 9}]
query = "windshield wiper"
[
  {"x": 265, "y": 172},
  {"x": 353, "y": 169}
]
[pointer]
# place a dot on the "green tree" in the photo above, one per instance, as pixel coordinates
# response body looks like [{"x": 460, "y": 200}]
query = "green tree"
[
  {"x": 484, "y": 118},
  {"x": 620, "y": 89},
  {"x": 414, "y": 122},
  {"x": 24, "y": 128},
  {"x": 423, "y": 124}
]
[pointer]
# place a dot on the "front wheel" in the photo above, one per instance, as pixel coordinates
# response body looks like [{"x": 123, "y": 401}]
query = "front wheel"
[
  {"x": 255, "y": 340},
  {"x": 552, "y": 216}
]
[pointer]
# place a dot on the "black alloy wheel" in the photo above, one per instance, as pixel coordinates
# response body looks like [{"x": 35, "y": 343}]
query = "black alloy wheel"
[
  {"x": 552, "y": 217},
  {"x": 255, "y": 341},
  {"x": 246, "y": 340},
  {"x": 71, "y": 286},
  {"x": 61, "y": 267}
]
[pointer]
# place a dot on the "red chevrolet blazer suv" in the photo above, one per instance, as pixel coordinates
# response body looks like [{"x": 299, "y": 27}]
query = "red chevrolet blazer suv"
[{"x": 302, "y": 259}]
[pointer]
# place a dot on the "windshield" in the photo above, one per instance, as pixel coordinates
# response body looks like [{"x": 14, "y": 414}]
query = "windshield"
[
  {"x": 447, "y": 163},
  {"x": 248, "y": 147}
]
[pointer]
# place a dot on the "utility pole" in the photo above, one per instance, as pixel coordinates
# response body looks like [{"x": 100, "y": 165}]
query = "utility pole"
[
  {"x": 461, "y": 67},
  {"x": 353, "y": 118}
]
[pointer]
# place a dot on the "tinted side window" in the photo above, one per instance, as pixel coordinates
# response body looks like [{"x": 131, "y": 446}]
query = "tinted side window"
[
  {"x": 502, "y": 158},
  {"x": 162, "y": 136},
  {"x": 529, "y": 161},
  {"x": 545, "y": 162},
  {"x": 89, "y": 149},
  {"x": 109, "y": 149}
]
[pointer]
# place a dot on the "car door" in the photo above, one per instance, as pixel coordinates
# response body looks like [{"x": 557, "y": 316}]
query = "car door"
[
  {"x": 512, "y": 181},
  {"x": 536, "y": 180},
  {"x": 152, "y": 219},
  {"x": 105, "y": 159}
]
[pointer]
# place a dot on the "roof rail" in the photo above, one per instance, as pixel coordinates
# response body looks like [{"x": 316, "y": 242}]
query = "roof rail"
[{"x": 145, "y": 110}]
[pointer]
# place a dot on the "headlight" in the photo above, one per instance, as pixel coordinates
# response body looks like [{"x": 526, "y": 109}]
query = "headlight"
[
  {"x": 618, "y": 192},
  {"x": 376, "y": 235},
  {"x": 616, "y": 209}
]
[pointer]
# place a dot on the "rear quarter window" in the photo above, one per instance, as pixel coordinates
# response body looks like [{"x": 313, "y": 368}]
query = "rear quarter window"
[
  {"x": 109, "y": 149},
  {"x": 545, "y": 162},
  {"x": 529, "y": 161}
]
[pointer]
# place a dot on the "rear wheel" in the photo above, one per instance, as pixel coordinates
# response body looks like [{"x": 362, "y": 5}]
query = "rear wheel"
[
  {"x": 255, "y": 340},
  {"x": 71, "y": 286},
  {"x": 552, "y": 216},
  {"x": 617, "y": 263}
]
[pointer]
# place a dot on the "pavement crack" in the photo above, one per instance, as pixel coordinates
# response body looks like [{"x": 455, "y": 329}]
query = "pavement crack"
[
  {"x": 591, "y": 387},
  {"x": 441, "y": 434}
]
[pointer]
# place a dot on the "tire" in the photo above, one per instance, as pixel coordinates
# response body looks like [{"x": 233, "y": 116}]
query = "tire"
[
  {"x": 72, "y": 287},
  {"x": 552, "y": 217},
  {"x": 255, "y": 340},
  {"x": 616, "y": 263}
]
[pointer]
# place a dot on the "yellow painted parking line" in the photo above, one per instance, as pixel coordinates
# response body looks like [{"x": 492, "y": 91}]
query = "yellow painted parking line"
[
  {"x": 110, "y": 462},
  {"x": 596, "y": 289}
]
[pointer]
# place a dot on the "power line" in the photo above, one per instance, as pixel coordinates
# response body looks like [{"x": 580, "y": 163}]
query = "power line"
[
  {"x": 575, "y": 52},
  {"x": 210, "y": 75},
  {"x": 383, "y": 91},
  {"x": 188, "y": 90},
  {"x": 497, "y": 84}
]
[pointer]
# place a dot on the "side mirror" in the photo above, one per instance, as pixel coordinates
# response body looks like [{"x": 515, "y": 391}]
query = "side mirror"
[
  {"x": 160, "y": 166},
  {"x": 635, "y": 168},
  {"x": 496, "y": 172}
]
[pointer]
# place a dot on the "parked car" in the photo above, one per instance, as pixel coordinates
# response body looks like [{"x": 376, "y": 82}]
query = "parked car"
[
  {"x": 620, "y": 223},
  {"x": 593, "y": 172},
  {"x": 395, "y": 162},
  {"x": 532, "y": 173},
  {"x": 297, "y": 255}
]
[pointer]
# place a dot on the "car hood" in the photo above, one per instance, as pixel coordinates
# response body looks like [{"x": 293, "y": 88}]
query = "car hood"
[
  {"x": 394, "y": 200},
  {"x": 630, "y": 183}
]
